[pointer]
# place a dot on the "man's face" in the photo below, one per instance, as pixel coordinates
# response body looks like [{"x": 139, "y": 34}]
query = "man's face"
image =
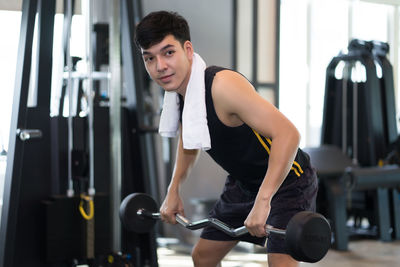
[{"x": 169, "y": 64}]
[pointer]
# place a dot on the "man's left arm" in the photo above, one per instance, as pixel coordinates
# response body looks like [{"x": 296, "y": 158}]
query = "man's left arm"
[{"x": 237, "y": 97}]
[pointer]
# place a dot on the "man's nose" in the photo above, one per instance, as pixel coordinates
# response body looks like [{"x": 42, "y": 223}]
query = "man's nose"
[{"x": 161, "y": 64}]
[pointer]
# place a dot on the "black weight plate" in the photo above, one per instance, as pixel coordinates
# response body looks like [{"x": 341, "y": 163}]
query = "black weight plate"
[
  {"x": 308, "y": 236},
  {"x": 128, "y": 212}
]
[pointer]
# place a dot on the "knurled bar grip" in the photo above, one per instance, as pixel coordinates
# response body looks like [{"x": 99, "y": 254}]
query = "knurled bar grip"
[{"x": 234, "y": 232}]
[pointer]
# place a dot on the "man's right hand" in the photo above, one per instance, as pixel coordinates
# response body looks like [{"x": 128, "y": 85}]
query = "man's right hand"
[{"x": 171, "y": 206}]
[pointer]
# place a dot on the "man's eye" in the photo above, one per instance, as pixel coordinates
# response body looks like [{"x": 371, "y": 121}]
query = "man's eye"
[
  {"x": 170, "y": 52},
  {"x": 148, "y": 59}
]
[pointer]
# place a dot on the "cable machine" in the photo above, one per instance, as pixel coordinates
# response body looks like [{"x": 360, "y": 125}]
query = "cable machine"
[{"x": 66, "y": 176}]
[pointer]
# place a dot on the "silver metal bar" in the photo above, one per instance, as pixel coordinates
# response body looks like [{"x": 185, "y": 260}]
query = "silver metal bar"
[
  {"x": 89, "y": 62},
  {"x": 355, "y": 122},
  {"x": 96, "y": 75},
  {"x": 145, "y": 213},
  {"x": 115, "y": 119},
  {"x": 344, "y": 111},
  {"x": 70, "y": 190},
  {"x": 27, "y": 134},
  {"x": 235, "y": 232}
]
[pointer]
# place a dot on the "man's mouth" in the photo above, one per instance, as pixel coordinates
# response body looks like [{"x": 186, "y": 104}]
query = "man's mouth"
[{"x": 165, "y": 78}]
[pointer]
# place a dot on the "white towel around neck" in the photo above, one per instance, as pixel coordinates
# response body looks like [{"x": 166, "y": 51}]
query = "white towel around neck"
[{"x": 195, "y": 133}]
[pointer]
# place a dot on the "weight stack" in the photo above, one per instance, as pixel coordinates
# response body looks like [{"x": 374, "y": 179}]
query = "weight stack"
[
  {"x": 359, "y": 115},
  {"x": 66, "y": 229}
]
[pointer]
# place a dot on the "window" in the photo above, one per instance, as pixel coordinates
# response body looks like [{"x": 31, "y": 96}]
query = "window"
[
  {"x": 10, "y": 25},
  {"x": 312, "y": 33}
]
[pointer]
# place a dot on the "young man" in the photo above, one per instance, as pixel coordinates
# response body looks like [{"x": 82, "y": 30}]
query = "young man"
[{"x": 270, "y": 178}]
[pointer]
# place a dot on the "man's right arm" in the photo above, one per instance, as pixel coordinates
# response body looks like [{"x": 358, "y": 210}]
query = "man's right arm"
[{"x": 173, "y": 204}]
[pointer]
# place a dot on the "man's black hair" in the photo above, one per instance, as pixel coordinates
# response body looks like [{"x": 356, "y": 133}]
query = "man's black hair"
[{"x": 154, "y": 27}]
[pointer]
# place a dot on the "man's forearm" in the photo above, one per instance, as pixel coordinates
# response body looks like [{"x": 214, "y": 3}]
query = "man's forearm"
[{"x": 185, "y": 159}]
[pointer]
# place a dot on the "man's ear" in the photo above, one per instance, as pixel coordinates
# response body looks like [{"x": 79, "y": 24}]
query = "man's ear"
[{"x": 188, "y": 47}]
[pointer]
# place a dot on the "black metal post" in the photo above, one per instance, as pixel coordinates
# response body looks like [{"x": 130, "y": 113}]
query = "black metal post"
[
  {"x": 277, "y": 49},
  {"x": 16, "y": 147},
  {"x": 143, "y": 246},
  {"x": 45, "y": 52},
  {"x": 254, "y": 76},
  {"x": 234, "y": 33}
]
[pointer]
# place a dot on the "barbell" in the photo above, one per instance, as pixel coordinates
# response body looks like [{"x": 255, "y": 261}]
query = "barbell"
[{"x": 307, "y": 235}]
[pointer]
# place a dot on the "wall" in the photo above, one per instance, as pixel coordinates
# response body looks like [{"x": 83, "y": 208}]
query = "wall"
[
  {"x": 210, "y": 25},
  {"x": 211, "y": 34}
]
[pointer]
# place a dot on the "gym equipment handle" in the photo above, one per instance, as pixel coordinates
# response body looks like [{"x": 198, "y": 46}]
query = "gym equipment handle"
[
  {"x": 234, "y": 232},
  {"x": 26, "y": 134}
]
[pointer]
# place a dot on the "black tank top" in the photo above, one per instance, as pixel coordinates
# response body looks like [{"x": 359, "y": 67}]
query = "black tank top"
[{"x": 242, "y": 152}]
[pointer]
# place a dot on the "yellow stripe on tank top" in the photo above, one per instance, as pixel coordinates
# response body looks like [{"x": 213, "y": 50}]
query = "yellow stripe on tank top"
[{"x": 297, "y": 171}]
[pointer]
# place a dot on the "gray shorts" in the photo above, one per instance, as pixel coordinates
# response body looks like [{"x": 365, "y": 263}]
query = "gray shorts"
[{"x": 295, "y": 194}]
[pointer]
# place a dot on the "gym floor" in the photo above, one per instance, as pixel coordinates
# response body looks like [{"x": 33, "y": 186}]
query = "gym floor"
[{"x": 366, "y": 253}]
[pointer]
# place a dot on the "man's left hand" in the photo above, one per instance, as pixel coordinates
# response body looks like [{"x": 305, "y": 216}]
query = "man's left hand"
[{"x": 257, "y": 218}]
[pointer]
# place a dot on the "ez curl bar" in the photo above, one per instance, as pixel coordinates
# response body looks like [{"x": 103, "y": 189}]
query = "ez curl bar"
[{"x": 307, "y": 235}]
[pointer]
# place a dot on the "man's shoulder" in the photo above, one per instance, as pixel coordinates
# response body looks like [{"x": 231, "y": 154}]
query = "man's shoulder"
[
  {"x": 216, "y": 71},
  {"x": 210, "y": 74},
  {"x": 224, "y": 80},
  {"x": 212, "y": 70},
  {"x": 222, "y": 71}
]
